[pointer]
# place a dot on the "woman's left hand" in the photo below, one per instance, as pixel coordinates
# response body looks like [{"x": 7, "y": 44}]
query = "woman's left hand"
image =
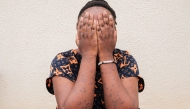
[{"x": 107, "y": 36}]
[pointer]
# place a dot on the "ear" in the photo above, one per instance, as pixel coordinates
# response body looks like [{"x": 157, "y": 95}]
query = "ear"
[{"x": 77, "y": 40}]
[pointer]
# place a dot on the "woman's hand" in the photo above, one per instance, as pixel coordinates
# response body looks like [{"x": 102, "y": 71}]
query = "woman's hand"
[
  {"x": 107, "y": 36},
  {"x": 87, "y": 38}
]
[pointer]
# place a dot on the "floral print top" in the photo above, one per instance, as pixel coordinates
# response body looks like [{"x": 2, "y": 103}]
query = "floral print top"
[{"x": 67, "y": 64}]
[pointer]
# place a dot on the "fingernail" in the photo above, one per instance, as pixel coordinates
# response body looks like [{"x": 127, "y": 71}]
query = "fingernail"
[
  {"x": 110, "y": 16},
  {"x": 86, "y": 13},
  {"x": 99, "y": 16},
  {"x": 91, "y": 15},
  {"x": 105, "y": 12}
]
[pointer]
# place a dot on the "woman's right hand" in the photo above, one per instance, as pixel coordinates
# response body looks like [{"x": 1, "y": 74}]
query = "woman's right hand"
[{"x": 86, "y": 37}]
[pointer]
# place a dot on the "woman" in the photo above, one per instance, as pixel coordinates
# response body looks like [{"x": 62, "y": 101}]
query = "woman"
[{"x": 96, "y": 75}]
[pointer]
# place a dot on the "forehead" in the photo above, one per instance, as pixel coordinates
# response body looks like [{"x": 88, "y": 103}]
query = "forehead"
[{"x": 95, "y": 10}]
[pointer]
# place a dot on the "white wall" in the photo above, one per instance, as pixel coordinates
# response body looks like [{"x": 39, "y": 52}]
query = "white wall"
[{"x": 156, "y": 32}]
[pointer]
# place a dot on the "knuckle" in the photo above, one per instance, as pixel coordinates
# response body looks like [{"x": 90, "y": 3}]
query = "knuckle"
[
  {"x": 89, "y": 24},
  {"x": 102, "y": 25},
  {"x": 105, "y": 15},
  {"x": 80, "y": 26},
  {"x": 84, "y": 23},
  {"x": 99, "y": 29},
  {"x": 93, "y": 28}
]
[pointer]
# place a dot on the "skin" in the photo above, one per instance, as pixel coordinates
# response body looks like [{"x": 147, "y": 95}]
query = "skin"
[{"x": 96, "y": 37}]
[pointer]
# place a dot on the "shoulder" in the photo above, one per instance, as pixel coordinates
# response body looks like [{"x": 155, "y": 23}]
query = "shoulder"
[
  {"x": 64, "y": 54},
  {"x": 128, "y": 67},
  {"x": 122, "y": 54},
  {"x": 66, "y": 57},
  {"x": 126, "y": 63}
]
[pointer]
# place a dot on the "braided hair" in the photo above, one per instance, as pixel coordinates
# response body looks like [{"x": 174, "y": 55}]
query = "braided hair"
[{"x": 101, "y": 3}]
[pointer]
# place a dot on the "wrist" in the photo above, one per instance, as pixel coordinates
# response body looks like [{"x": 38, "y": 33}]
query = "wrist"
[
  {"x": 106, "y": 62},
  {"x": 89, "y": 56},
  {"x": 105, "y": 57}
]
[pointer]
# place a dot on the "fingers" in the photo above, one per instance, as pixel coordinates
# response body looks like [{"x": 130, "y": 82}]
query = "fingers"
[
  {"x": 106, "y": 24},
  {"x": 105, "y": 17},
  {"x": 111, "y": 22},
  {"x": 111, "y": 27},
  {"x": 91, "y": 20},
  {"x": 80, "y": 29},
  {"x": 90, "y": 25},
  {"x": 100, "y": 26},
  {"x": 80, "y": 23},
  {"x": 100, "y": 20},
  {"x": 86, "y": 26},
  {"x": 86, "y": 18},
  {"x": 94, "y": 27},
  {"x": 99, "y": 33}
]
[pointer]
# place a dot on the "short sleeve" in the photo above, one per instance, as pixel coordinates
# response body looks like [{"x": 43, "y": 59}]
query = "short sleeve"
[
  {"x": 60, "y": 66},
  {"x": 129, "y": 68}
]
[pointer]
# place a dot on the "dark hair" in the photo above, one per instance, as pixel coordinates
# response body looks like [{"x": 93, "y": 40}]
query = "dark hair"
[{"x": 100, "y": 3}]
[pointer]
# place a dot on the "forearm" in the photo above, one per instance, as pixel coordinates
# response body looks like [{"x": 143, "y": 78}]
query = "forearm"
[
  {"x": 115, "y": 94},
  {"x": 82, "y": 94}
]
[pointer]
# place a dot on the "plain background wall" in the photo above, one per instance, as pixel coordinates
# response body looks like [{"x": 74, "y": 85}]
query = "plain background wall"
[{"x": 155, "y": 32}]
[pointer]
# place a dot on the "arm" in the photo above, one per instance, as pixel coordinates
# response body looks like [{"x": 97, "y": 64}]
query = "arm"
[
  {"x": 119, "y": 94},
  {"x": 76, "y": 95},
  {"x": 80, "y": 94}
]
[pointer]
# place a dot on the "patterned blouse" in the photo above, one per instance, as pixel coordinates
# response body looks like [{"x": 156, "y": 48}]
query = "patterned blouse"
[{"x": 67, "y": 64}]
